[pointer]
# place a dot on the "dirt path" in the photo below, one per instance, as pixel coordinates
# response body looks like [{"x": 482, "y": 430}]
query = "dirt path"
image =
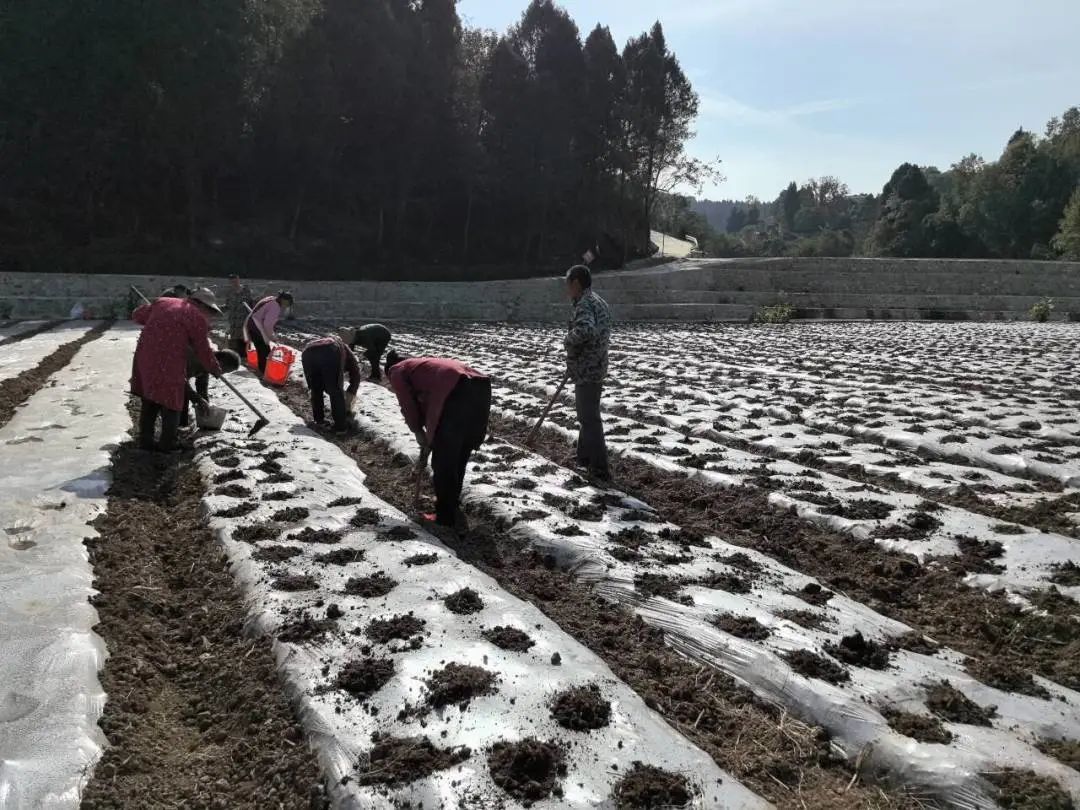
[
  {"x": 195, "y": 716},
  {"x": 786, "y": 761},
  {"x": 14, "y": 391}
]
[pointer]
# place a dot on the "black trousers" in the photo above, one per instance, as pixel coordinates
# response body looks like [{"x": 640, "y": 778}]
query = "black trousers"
[
  {"x": 202, "y": 390},
  {"x": 170, "y": 421},
  {"x": 262, "y": 348},
  {"x": 591, "y": 446},
  {"x": 373, "y": 354},
  {"x": 462, "y": 429},
  {"x": 322, "y": 370}
]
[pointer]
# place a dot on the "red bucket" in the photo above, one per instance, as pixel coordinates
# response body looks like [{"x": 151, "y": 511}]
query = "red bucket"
[
  {"x": 278, "y": 365},
  {"x": 252, "y": 356}
]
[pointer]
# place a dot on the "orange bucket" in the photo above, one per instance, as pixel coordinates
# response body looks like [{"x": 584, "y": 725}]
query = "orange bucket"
[
  {"x": 252, "y": 356},
  {"x": 278, "y": 365}
]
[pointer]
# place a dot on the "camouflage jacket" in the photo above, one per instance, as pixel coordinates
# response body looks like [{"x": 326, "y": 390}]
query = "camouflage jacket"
[
  {"x": 587, "y": 341},
  {"x": 236, "y": 311}
]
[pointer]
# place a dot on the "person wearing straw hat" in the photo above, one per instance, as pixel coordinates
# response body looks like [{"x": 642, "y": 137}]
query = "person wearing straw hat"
[
  {"x": 171, "y": 327},
  {"x": 198, "y": 395},
  {"x": 373, "y": 338}
]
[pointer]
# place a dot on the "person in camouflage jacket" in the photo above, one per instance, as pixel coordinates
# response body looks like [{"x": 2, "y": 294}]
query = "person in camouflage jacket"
[
  {"x": 587, "y": 365},
  {"x": 235, "y": 300}
]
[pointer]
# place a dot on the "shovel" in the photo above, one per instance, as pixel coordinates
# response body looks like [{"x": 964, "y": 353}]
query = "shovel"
[
  {"x": 261, "y": 421},
  {"x": 531, "y": 437}
]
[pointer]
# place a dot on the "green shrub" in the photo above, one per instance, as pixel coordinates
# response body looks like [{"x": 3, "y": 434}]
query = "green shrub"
[
  {"x": 1041, "y": 311},
  {"x": 777, "y": 313}
]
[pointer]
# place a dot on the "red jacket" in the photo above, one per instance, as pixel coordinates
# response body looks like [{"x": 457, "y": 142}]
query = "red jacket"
[
  {"x": 159, "y": 370},
  {"x": 348, "y": 362},
  {"x": 423, "y": 384}
]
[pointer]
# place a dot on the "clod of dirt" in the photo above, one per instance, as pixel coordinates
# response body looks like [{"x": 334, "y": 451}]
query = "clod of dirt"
[
  {"x": 867, "y": 509},
  {"x": 279, "y": 495},
  {"x": 859, "y": 651},
  {"x": 365, "y": 517},
  {"x": 741, "y": 561},
  {"x": 581, "y": 708},
  {"x": 420, "y": 559},
  {"x": 813, "y": 665},
  {"x": 278, "y": 478},
  {"x": 325, "y": 537},
  {"x": 741, "y": 626},
  {"x": 647, "y": 787},
  {"x": 657, "y": 585},
  {"x": 976, "y": 555},
  {"x": 529, "y": 770},
  {"x": 276, "y": 554},
  {"x": 305, "y": 629},
  {"x": 364, "y": 677},
  {"x": 295, "y": 582},
  {"x": 640, "y": 516},
  {"x": 233, "y": 491},
  {"x": 1025, "y": 790},
  {"x": 633, "y": 537},
  {"x": 255, "y": 533},
  {"x": 994, "y": 672},
  {"x": 1066, "y": 574},
  {"x": 402, "y": 627},
  {"x": 722, "y": 581},
  {"x": 458, "y": 684},
  {"x": 345, "y": 502},
  {"x": 370, "y": 587},
  {"x": 917, "y": 526},
  {"x": 805, "y": 618},
  {"x": 1007, "y": 528},
  {"x": 464, "y": 601},
  {"x": 398, "y": 533},
  {"x": 813, "y": 593},
  {"x": 509, "y": 638},
  {"x": 530, "y": 514},
  {"x": 917, "y": 643},
  {"x": 239, "y": 510},
  {"x": 950, "y": 704},
  {"x": 587, "y": 512},
  {"x": 231, "y": 475},
  {"x": 569, "y": 531},
  {"x": 918, "y": 726},
  {"x": 228, "y": 462},
  {"x": 270, "y": 466},
  {"x": 1066, "y": 751},
  {"x": 340, "y": 556},
  {"x": 684, "y": 537},
  {"x": 398, "y": 761},
  {"x": 292, "y": 514},
  {"x": 623, "y": 554}
]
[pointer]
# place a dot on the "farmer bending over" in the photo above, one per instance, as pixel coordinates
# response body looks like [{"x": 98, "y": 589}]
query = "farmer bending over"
[
  {"x": 373, "y": 339},
  {"x": 587, "y": 364},
  {"x": 172, "y": 327},
  {"x": 261, "y": 324},
  {"x": 446, "y": 404},
  {"x": 199, "y": 394},
  {"x": 326, "y": 361}
]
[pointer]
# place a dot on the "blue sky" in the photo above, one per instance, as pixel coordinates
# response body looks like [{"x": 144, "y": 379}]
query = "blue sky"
[{"x": 793, "y": 89}]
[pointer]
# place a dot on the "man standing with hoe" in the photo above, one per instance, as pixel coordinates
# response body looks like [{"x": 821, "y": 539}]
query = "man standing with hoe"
[{"x": 587, "y": 365}]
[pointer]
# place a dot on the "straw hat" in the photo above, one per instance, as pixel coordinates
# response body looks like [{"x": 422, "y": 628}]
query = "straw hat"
[{"x": 207, "y": 298}]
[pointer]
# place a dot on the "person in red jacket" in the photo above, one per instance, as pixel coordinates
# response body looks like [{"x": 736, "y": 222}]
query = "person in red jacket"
[
  {"x": 447, "y": 405},
  {"x": 171, "y": 326},
  {"x": 326, "y": 361}
]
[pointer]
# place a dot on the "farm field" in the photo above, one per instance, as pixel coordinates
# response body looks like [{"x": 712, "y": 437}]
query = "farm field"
[{"x": 838, "y": 567}]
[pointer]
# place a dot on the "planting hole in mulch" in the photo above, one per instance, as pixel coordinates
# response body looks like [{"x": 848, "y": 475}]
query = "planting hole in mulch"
[
  {"x": 464, "y": 601},
  {"x": 918, "y": 726},
  {"x": 529, "y": 770},
  {"x": 1066, "y": 751},
  {"x": 364, "y": 677},
  {"x": 420, "y": 559},
  {"x": 340, "y": 556},
  {"x": 397, "y": 533},
  {"x": 295, "y": 582},
  {"x": 647, "y": 787},
  {"x": 400, "y": 627},
  {"x": 509, "y": 638},
  {"x": 1025, "y": 790},
  {"x": 859, "y": 651},
  {"x": 949, "y": 703},
  {"x": 370, "y": 587},
  {"x": 305, "y": 629},
  {"x": 239, "y": 510},
  {"x": 255, "y": 533},
  {"x": 292, "y": 514},
  {"x": 365, "y": 517},
  {"x": 458, "y": 684},
  {"x": 345, "y": 502},
  {"x": 581, "y": 708},
  {"x": 325, "y": 537},
  {"x": 998, "y": 674},
  {"x": 741, "y": 626},
  {"x": 398, "y": 761},
  {"x": 233, "y": 491},
  {"x": 276, "y": 554},
  {"x": 812, "y": 665}
]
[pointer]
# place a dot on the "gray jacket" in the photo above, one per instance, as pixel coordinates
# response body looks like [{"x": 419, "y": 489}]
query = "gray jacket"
[{"x": 588, "y": 338}]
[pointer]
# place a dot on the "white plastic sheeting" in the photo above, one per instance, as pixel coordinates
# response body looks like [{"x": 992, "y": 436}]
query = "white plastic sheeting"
[
  {"x": 54, "y": 474},
  {"x": 341, "y": 727},
  {"x": 544, "y": 515},
  {"x": 11, "y": 330},
  {"x": 23, "y": 355}
]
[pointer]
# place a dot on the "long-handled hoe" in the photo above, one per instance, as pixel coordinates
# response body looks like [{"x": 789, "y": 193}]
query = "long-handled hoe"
[{"x": 531, "y": 437}]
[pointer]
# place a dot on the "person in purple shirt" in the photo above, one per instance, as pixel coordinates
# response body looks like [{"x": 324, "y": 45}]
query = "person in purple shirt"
[{"x": 261, "y": 324}]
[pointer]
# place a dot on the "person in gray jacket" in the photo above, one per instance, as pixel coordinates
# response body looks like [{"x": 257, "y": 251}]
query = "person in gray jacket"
[
  {"x": 587, "y": 365},
  {"x": 373, "y": 339}
]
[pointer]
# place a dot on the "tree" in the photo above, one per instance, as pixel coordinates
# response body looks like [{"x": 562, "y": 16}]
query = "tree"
[
  {"x": 737, "y": 220},
  {"x": 907, "y": 200},
  {"x": 1067, "y": 240},
  {"x": 789, "y": 205}
]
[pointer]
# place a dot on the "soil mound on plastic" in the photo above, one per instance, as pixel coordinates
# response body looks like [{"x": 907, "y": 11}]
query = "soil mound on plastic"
[
  {"x": 420, "y": 559},
  {"x": 326, "y": 537},
  {"x": 231, "y": 475},
  {"x": 239, "y": 510},
  {"x": 276, "y": 554},
  {"x": 529, "y": 770},
  {"x": 998, "y": 674},
  {"x": 1066, "y": 751},
  {"x": 291, "y": 514},
  {"x": 633, "y": 537},
  {"x": 805, "y": 618},
  {"x": 859, "y": 651},
  {"x": 401, "y": 627},
  {"x": 279, "y": 495},
  {"x": 813, "y": 594},
  {"x": 340, "y": 556},
  {"x": 582, "y": 708},
  {"x": 278, "y": 478},
  {"x": 741, "y": 626},
  {"x": 646, "y": 787},
  {"x": 1066, "y": 574},
  {"x": 509, "y": 638},
  {"x": 813, "y": 665},
  {"x": 918, "y": 726},
  {"x": 365, "y": 517},
  {"x": 398, "y": 761},
  {"x": 305, "y": 629},
  {"x": 397, "y": 533},
  {"x": 370, "y": 587},
  {"x": 1024, "y": 790},
  {"x": 364, "y": 677},
  {"x": 950, "y": 704},
  {"x": 345, "y": 502},
  {"x": 458, "y": 683},
  {"x": 233, "y": 491},
  {"x": 295, "y": 582},
  {"x": 464, "y": 601},
  {"x": 657, "y": 585},
  {"x": 255, "y": 533}
]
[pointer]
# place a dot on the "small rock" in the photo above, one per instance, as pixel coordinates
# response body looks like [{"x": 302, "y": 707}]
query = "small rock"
[{"x": 556, "y": 659}]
